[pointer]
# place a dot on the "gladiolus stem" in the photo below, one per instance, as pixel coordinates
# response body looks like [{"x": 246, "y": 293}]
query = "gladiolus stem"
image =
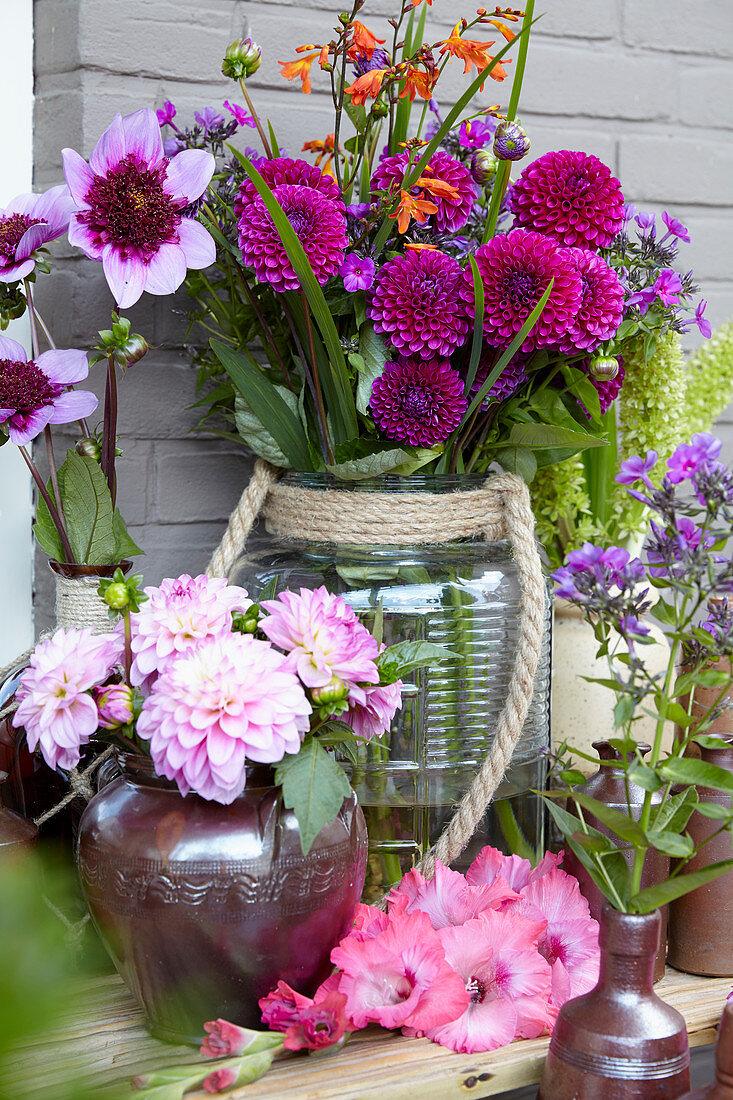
[
  {"x": 54, "y": 476},
  {"x": 49, "y": 504}
]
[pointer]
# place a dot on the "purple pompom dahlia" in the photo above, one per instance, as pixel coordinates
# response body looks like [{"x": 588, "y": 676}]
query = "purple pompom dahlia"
[
  {"x": 418, "y": 402},
  {"x": 281, "y": 170},
  {"x": 602, "y": 307},
  {"x": 452, "y": 214},
  {"x": 516, "y": 269},
  {"x": 570, "y": 195},
  {"x": 417, "y": 303},
  {"x": 508, "y": 382}
]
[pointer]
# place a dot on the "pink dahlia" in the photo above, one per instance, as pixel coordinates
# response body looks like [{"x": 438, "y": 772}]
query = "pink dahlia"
[
  {"x": 516, "y": 269},
  {"x": 315, "y": 209},
  {"x": 448, "y": 898},
  {"x": 55, "y": 704},
  {"x": 177, "y": 617},
  {"x": 602, "y": 306},
  {"x": 418, "y": 402},
  {"x": 323, "y": 638},
  {"x": 131, "y": 208},
  {"x": 373, "y": 717},
  {"x": 33, "y": 392},
  {"x": 571, "y": 196},
  {"x": 230, "y": 700},
  {"x": 416, "y": 302},
  {"x": 452, "y": 213},
  {"x": 511, "y": 378},
  {"x": 26, "y": 223}
]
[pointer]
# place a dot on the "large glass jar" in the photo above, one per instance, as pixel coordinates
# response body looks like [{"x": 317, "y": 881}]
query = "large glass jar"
[{"x": 466, "y": 596}]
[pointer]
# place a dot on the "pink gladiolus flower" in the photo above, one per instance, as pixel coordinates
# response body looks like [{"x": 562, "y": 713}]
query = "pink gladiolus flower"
[
  {"x": 230, "y": 700},
  {"x": 225, "y": 1040},
  {"x": 447, "y": 898},
  {"x": 282, "y": 1007},
  {"x": 491, "y": 864},
  {"x": 54, "y": 700},
  {"x": 130, "y": 203},
  {"x": 220, "y": 1079},
  {"x": 319, "y": 1025},
  {"x": 506, "y": 980},
  {"x": 399, "y": 977},
  {"x": 33, "y": 392},
  {"x": 177, "y": 617},
  {"x": 26, "y": 223},
  {"x": 323, "y": 638}
]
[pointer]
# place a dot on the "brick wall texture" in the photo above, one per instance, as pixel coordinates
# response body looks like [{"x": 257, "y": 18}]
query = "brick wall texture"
[{"x": 647, "y": 85}]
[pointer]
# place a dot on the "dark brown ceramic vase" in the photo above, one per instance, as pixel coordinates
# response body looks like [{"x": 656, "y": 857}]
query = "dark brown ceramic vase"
[
  {"x": 620, "y": 1041},
  {"x": 204, "y": 907},
  {"x": 722, "y": 1087},
  {"x": 701, "y": 922},
  {"x": 607, "y": 785}
]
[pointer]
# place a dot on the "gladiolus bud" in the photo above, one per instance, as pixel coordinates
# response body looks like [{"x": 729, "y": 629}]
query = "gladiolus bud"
[
  {"x": 510, "y": 141},
  {"x": 242, "y": 58},
  {"x": 483, "y": 166},
  {"x": 603, "y": 368},
  {"x": 331, "y": 693},
  {"x": 114, "y": 704}
]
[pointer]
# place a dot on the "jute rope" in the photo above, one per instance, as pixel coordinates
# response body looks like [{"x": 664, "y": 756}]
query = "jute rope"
[
  {"x": 78, "y": 604},
  {"x": 499, "y": 509}
]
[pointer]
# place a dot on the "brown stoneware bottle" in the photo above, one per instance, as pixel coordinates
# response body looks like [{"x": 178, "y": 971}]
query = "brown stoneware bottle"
[
  {"x": 722, "y": 1087},
  {"x": 607, "y": 786},
  {"x": 16, "y": 831},
  {"x": 701, "y": 922},
  {"x": 620, "y": 1041}
]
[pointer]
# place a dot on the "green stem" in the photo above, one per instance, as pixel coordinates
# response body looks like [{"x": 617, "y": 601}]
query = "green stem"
[
  {"x": 68, "y": 553},
  {"x": 258, "y": 124}
]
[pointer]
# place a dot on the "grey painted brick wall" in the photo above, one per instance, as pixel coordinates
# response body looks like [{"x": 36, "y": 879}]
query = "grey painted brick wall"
[{"x": 645, "y": 84}]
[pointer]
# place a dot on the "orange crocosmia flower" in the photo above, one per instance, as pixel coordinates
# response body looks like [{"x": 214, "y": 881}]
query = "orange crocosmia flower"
[
  {"x": 415, "y": 3},
  {"x": 323, "y": 56},
  {"x": 509, "y": 35},
  {"x": 417, "y": 82},
  {"x": 469, "y": 51},
  {"x": 411, "y": 207},
  {"x": 325, "y": 150},
  {"x": 418, "y": 246},
  {"x": 366, "y": 87},
  {"x": 440, "y": 188},
  {"x": 300, "y": 68},
  {"x": 363, "y": 42}
]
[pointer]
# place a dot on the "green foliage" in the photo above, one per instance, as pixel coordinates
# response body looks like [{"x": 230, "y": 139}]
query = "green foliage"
[
  {"x": 397, "y": 660},
  {"x": 314, "y": 788},
  {"x": 709, "y": 380}
]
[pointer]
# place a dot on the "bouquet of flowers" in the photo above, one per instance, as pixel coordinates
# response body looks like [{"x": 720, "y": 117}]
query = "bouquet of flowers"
[
  {"x": 692, "y": 510},
  {"x": 413, "y": 306},
  {"x": 204, "y": 681}
]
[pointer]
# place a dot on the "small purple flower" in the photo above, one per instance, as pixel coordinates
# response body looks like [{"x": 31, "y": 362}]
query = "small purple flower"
[
  {"x": 646, "y": 221},
  {"x": 586, "y": 559},
  {"x": 675, "y": 228},
  {"x": 28, "y": 222},
  {"x": 637, "y": 468},
  {"x": 240, "y": 115},
  {"x": 642, "y": 299},
  {"x": 706, "y": 329},
  {"x": 564, "y": 579},
  {"x": 477, "y": 133},
  {"x": 629, "y": 212},
  {"x": 34, "y": 393},
  {"x": 629, "y": 624},
  {"x": 379, "y": 60},
  {"x": 357, "y": 272},
  {"x": 703, "y": 450},
  {"x": 668, "y": 287},
  {"x": 166, "y": 113},
  {"x": 208, "y": 119},
  {"x": 359, "y": 210},
  {"x": 172, "y": 147}
]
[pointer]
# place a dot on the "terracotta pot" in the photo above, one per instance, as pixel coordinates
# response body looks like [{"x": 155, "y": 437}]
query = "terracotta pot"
[
  {"x": 722, "y": 1087},
  {"x": 574, "y": 700},
  {"x": 203, "y": 907},
  {"x": 620, "y": 1041},
  {"x": 703, "y": 702},
  {"x": 607, "y": 786},
  {"x": 700, "y": 923}
]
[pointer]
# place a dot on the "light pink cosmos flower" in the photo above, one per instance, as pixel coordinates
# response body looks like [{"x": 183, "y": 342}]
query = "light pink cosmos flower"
[
  {"x": 323, "y": 638},
  {"x": 373, "y": 717},
  {"x": 130, "y": 208},
  {"x": 33, "y": 392},
  {"x": 505, "y": 977},
  {"x": 229, "y": 700},
  {"x": 179, "y": 615},
  {"x": 399, "y": 977},
  {"x": 447, "y": 898},
  {"x": 54, "y": 701},
  {"x": 26, "y": 223}
]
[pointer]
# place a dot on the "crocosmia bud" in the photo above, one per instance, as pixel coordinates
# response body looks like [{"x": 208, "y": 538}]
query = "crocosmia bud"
[
  {"x": 603, "y": 368},
  {"x": 114, "y": 704},
  {"x": 483, "y": 166},
  {"x": 242, "y": 58},
  {"x": 510, "y": 141}
]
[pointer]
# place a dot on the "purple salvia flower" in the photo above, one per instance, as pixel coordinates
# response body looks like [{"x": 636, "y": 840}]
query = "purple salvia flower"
[
  {"x": 357, "y": 272},
  {"x": 675, "y": 228},
  {"x": 637, "y": 469}
]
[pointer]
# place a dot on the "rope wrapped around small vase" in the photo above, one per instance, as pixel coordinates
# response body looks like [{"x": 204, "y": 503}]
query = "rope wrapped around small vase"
[{"x": 499, "y": 509}]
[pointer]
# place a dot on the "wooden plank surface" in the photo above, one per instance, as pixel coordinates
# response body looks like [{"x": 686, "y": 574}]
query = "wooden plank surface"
[{"x": 103, "y": 1042}]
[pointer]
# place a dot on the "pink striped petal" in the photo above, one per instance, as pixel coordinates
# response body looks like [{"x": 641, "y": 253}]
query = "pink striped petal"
[
  {"x": 110, "y": 149},
  {"x": 73, "y": 406},
  {"x": 64, "y": 366},
  {"x": 142, "y": 136},
  {"x": 197, "y": 244},
  {"x": 12, "y": 350},
  {"x": 166, "y": 271},
  {"x": 33, "y": 425},
  {"x": 83, "y": 238},
  {"x": 189, "y": 174},
  {"x": 14, "y": 272},
  {"x": 125, "y": 278}
]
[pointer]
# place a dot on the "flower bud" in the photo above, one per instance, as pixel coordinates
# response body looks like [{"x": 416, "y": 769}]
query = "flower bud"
[
  {"x": 115, "y": 705},
  {"x": 334, "y": 692},
  {"x": 116, "y": 596},
  {"x": 242, "y": 59},
  {"x": 510, "y": 141},
  {"x": 89, "y": 448},
  {"x": 135, "y": 347},
  {"x": 603, "y": 368},
  {"x": 483, "y": 166},
  {"x": 379, "y": 109}
]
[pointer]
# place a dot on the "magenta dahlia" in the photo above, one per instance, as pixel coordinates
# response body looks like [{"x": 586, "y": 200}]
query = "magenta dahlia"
[
  {"x": 570, "y": 195},
  {"x": 34, "y": 393},
  {"x": 416, "y": 302},
  {"x": 602, "y": 305},
  {"x": 418, "y": 402},
  {"x": 452, "y": 213},
  {"x": 282, "y": 170},
  {"x": 516, "y": 269},
  {"x": 508, "y": 382}
]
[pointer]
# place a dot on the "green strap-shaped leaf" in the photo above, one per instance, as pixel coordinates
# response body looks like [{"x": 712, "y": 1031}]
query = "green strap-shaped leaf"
[
  {"x": 478, "y": 325},
  {"x": 314, "y": 788}
]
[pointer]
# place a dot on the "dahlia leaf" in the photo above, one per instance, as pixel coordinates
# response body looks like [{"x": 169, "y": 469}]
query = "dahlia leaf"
[
  {"x": 314, "y": 788},
  {"x": 45, "y": 531},
  {"x": 520, "y": 461},
  {"x": 266, "y": 403},
  {"x": 397, "y": 460},
  {"x": 552, "y": 435},
  {"x": 88, "y": 510},
  {"x": 256, "y": 435},
  {"x": 397, "y": 660},
  {"x": 374, "y": 353},
  {"x": 125, "y": 546}
]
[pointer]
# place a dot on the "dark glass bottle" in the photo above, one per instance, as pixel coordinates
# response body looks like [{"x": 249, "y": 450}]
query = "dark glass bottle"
[{"x": 722, "y": 1087}]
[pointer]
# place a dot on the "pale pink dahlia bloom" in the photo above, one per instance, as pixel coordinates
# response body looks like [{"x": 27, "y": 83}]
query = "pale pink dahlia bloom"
[
  {"x": 177, "y": 617},
  {"x": 33, "y": 392},
  {"x": 130, "y": 208},
  {"x": 230, "y": 700},
  {"x": 26, "y": 223},
  {"x": 373, "y": 717},
  {"x": 55, "y": 704},
  {"x": 323, "y": 638},
  {"x": 447, "y": 898}
]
